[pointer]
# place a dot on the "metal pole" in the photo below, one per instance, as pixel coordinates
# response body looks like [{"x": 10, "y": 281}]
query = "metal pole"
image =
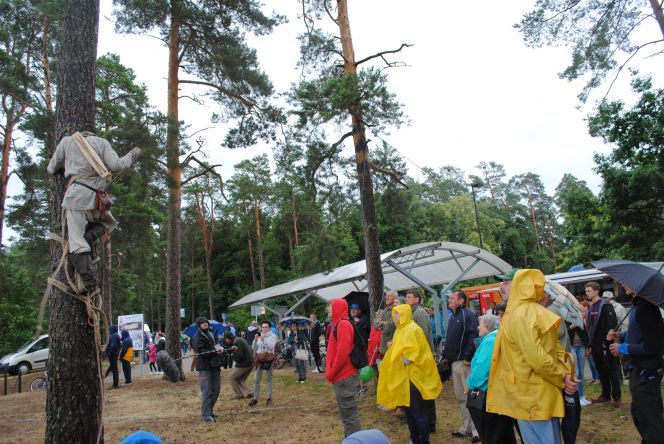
[
  {"x": 19, "y": 380},
  {"x": 5, "y": 372},
  {"x": 477, "y": 217}
]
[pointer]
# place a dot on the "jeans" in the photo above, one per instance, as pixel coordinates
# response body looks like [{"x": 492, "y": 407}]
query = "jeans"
[
  {"x": 210, "y": 384},
  {"x": 344, "y": 391},
  {"x": 540, "y": 432},
  {"x": 593, "y": 368},
  {"x": 579, "y": 354},
  {"x": 301, "y": 367},
  {"x": 417, "y": 415}
]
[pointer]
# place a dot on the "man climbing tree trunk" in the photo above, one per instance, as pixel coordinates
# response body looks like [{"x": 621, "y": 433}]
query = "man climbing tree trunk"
[
  {"x": 371, "y": 244},
  {"x": 74, "y": 397}
]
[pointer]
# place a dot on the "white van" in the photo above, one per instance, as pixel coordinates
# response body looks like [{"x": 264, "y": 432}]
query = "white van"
[{"x": 31, "y": 355}]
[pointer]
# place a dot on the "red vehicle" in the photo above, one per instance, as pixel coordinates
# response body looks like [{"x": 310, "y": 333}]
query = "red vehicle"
[{"x": 480, "y": 297}]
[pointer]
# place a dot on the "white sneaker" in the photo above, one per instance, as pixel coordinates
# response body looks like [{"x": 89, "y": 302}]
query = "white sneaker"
[
  {"x": 584, "y": 402},
  {"x": 314, "y": 370}
]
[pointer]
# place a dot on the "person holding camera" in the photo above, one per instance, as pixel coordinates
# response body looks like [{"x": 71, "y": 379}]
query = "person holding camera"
[
  {"x": 244, "y": 360},
  {"x": 263, "y": 347},
  {"x": 208, "y": 366}
]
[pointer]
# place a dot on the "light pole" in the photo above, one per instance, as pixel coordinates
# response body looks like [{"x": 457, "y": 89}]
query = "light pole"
[{"x": 474, "y": 185}]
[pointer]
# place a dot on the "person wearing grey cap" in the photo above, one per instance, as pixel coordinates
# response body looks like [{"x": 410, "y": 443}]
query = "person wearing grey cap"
[{"x": 621, "y": 312}]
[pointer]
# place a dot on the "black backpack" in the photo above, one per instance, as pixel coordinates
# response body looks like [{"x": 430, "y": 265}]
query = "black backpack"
[{"x": 358, "y": 355}]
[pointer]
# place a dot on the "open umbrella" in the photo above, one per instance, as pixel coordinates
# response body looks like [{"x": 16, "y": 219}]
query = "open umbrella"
[
  {"x": 568, "y": 306},
  {"x": 301, "y": 321},
  {"x": 646, "y": 282}
]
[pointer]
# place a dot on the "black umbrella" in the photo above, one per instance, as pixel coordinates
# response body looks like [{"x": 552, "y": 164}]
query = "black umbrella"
[{"x": 646, "y": 282}]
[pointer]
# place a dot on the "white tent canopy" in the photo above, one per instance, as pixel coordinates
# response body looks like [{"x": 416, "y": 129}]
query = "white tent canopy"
[{"x": 425, "y": 264}]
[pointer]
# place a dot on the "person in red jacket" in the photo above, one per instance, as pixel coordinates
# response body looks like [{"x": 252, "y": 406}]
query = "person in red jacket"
[{"x": 339, "y": 370}]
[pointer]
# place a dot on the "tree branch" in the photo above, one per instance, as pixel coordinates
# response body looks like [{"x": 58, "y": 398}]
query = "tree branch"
[
  {"x": 626, "y": 62},
  {"x": 382, "y": 53},
  {"x": 329, "y": 13},
  {"x": 206, "y": 169},
  {"x": 396, "y": 175},
  {"x": 246, "y": 102}
]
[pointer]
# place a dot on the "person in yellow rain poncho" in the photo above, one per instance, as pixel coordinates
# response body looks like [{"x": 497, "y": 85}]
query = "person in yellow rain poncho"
[
  {"x": 408, "y": 374},
  {"x": 528, "y": 369}
]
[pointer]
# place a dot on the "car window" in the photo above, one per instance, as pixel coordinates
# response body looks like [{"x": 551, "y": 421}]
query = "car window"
[{"x": 39, "y": 345}]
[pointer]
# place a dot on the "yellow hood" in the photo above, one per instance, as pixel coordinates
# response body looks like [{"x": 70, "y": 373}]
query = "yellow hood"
[
  {"x": 395, "y": 375},
  {"x": 405, "y": 315}
]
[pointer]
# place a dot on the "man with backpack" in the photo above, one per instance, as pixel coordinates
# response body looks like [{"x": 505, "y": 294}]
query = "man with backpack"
[{"x": 340, "y": 371}]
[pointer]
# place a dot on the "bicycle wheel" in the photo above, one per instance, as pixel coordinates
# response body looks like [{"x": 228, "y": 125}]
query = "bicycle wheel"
[
  {"x": 38, "y": 384},
  {"x": 279, "y": 362}
]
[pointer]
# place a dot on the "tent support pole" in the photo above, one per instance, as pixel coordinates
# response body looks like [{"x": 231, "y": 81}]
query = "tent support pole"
[
  {"x": 436, "y": 302},
  {"x": 452, "y": 283},
  {"x": 307, "y": 295}
]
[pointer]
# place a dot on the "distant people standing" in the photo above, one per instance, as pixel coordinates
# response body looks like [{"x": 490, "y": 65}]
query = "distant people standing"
[
  {"x": 315, "y": 332},
  {"x": 208, "y": 364},
  {"x": 126, "y": 355},
  {"x": 420, "y": 316},
  {"x": 601, "y": 318},
  {"x": 643, "y": 345},
  {"x": 462, "y": 329},
  {"x": 388, "y": 327},
  {"x": 113, "y": 352},
  {"x": 340, "y": 371}
]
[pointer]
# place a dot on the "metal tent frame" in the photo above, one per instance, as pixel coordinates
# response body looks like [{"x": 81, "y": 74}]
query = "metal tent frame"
[{"x": 425, "y": 265}]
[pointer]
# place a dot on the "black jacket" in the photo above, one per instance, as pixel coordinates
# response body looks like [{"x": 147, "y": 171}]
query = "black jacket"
[
  {"x": 462, "y": 329},
  {"x": 599, "y": 328},
  {"x": 580, "y": 332},
  {"x": 203, "y": 344}
]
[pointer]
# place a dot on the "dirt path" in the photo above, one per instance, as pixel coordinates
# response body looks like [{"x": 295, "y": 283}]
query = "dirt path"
[{"x": 301, "y": 413}]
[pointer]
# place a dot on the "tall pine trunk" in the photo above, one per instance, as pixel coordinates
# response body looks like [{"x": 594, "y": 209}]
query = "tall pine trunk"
[
  {"x": 106, "y": 305},
  {"x": 74, "y": 397},
  {"x": 174, "y": 243},
  {"x": 259, "y": 244},
  {"x": 371, "y": 243}
]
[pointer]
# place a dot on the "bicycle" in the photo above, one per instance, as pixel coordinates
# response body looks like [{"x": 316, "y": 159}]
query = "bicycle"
[
  {"x": 39, "y": 383},
  {"x": 283, "y": 354}
]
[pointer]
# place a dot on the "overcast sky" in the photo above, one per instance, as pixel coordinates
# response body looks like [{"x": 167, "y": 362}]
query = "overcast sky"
[{"x": 472, "y": 90}]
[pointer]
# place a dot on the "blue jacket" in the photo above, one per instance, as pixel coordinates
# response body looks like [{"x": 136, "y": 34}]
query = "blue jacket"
[
  {"x": 461, "y": 331},
  {"x": 481, "y": 363},
  {"x": 114, "y": 343}
]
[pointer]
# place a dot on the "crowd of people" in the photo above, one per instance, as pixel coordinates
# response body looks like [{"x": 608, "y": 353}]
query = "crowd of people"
[{"x": 517, "y": 371}]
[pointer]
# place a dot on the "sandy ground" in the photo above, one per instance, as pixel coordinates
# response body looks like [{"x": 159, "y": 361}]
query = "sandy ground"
[{"x": 301, "y": 413}]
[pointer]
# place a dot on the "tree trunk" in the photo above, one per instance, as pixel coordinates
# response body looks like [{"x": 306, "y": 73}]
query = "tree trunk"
[
  {"x": 295, "y": 217},
  {"x": 291, "y": 253},
  {"x": 106, "y": 277},
  {"x": 174, "y": 243},
  {"x": 4, "y": 170},
  {"x": 74, "y": 399},
  {"x": 371, "y": 242},
  {"x": 251, "y": 260},
  {"x": 659, "y": 15},
  {"x": 207, "y": 235},
  {"x": 259, "y": 244}
]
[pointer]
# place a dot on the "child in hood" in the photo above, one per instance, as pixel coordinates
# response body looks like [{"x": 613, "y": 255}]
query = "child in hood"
[{"x": 152, "y": 357}]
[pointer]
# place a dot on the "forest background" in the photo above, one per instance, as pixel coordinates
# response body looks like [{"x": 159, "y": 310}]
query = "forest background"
[{"x": 296, "y": 210}]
